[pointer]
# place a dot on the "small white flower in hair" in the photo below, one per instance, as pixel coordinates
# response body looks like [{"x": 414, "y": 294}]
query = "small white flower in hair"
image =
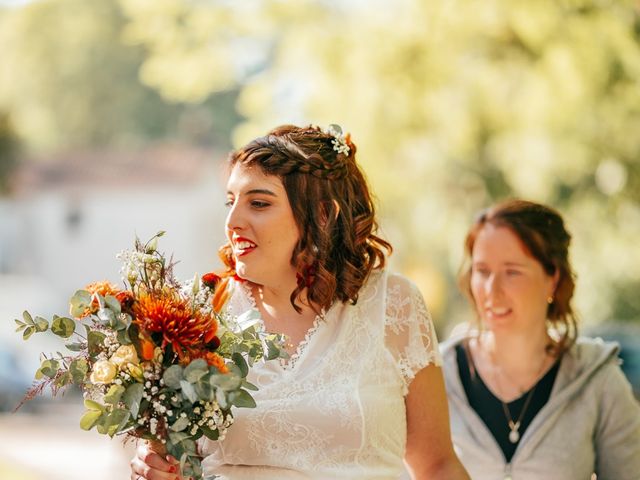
[{"x": 339, "y": 141}]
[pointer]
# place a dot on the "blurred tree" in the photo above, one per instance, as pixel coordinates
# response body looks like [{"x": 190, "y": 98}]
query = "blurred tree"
[
  {"x": 454, "y": 105},
  {"x": 70, "y": 80},
  {"x": 8, "y": 152}
]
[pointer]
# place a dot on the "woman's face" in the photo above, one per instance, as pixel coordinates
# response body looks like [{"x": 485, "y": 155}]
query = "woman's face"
[
  {"x": 510, "y": 288},
  {"x": 260, "y": 227}
]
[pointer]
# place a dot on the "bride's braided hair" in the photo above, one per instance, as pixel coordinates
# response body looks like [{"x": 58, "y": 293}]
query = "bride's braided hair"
[
  {"x": 288, "y": 149},
  {"x": 332, "y": 206}
]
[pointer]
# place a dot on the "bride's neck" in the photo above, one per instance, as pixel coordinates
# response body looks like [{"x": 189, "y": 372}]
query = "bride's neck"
[{"x": 276, "y": 301}]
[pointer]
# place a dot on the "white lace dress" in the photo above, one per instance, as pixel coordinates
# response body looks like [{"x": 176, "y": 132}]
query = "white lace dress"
[{"x": 336, "y": 409}]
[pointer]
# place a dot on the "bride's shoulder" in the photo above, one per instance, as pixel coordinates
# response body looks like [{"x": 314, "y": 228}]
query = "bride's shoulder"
[{"x": 399, "y": 285}]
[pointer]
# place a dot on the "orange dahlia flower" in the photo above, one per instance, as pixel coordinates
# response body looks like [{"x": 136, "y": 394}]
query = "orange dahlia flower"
[{"x": 171, "y": 316}]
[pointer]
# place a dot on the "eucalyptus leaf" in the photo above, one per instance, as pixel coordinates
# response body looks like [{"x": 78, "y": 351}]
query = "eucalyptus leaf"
[
  {"x": 63, "y": 380},
  {"x": 221, "y": 398},
  {"x": 209, "y": 433},
  {"x": 226, "y": 382},
  {"x": 28, "y": 332},
  {"x": 114, "y": 394},
  {"x": 273, "y": 351},
  {"x": 180, "y": 424},
  {"x": 132, "y": 398},
  {"x": 113, "y": 304},
  {"x": 78, "y": 369},
  {"x": 80, "y": 301},
  {"x": 93, "y": 405},
  {"x": 75, "y": 346},
  {"x": 41, "y": 324},
  {"x": 107, "y": 317},
  {"x": 116, "y": 421},
  {"x": 27, "y": 318},
  {"x": 172, "y": 376},
  {"x": 196, "y": 370},
  {"x": 89, "y": 419},
  {"x": 123, "y": 336},
  {"x": 239, "y": 360},
  {"x": 188, "y": 391},
  {"x": 204, "y": 390},
  {"x": 96, "y": 341},
  {"x": 63, "y": 327},
  {"x": 178, "y": 437},
  {"x": 249, "y": 385},
  {"x": 242, "y": 398},
  {"x": 49, "y": 367}
]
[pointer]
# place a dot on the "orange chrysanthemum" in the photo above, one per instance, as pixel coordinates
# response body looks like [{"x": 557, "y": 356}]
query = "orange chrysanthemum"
[{"x": 171, "y": 316}]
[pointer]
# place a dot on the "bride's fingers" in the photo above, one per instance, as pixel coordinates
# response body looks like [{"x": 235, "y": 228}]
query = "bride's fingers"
[
  {"x": 156, "y": 461},
  {"x": 147, "y": 465}
]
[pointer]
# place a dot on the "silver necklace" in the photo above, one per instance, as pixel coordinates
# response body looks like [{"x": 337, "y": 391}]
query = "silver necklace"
[
  {"x": 514, "y": 427},
  {"x": 514, "y": 434}
]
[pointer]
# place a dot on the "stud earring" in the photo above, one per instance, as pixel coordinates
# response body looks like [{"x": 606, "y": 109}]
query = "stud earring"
[{"x": 550, "y": 299}]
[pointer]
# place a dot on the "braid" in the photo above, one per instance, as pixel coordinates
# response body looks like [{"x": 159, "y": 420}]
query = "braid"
[{"x": 281, "y": 154}]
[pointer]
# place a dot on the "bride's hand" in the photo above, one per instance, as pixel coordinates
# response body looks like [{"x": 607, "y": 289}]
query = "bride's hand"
[{"x": 149, "y": 465}]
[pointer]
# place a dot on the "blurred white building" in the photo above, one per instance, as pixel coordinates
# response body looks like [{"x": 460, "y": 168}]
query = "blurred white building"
[{"x": 70, "y": 216}]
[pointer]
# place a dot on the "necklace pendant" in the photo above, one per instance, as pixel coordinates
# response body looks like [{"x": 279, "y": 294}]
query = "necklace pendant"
[{"x": 514, "y": 436}]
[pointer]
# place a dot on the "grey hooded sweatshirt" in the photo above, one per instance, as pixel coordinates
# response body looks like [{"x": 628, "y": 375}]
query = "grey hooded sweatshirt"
[{"x": 591, "y": 423}]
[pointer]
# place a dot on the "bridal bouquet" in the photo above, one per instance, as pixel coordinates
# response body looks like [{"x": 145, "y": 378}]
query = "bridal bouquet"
[{"x": 157, "y": 359}]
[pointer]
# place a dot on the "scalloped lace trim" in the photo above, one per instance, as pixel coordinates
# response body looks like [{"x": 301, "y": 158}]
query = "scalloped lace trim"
[
  {"x": 249, "y": 294},
  {"x": 302, "y": 346}
]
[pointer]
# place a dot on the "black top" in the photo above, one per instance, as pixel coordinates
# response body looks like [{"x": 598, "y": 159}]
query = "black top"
[{"x": 489, "y": 408}]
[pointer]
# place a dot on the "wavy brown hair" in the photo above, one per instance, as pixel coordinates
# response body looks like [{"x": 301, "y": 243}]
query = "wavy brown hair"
[
  {"x": 332, "y": 207},
  {"x": 542, "y": 232}
]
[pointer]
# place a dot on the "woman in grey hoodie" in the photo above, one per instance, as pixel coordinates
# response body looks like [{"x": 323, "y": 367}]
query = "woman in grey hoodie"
[{"x": 527, "y": 399}]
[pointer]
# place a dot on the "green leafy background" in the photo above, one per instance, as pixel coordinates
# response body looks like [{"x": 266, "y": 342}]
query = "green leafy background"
[{"x": 452, "y": 104}]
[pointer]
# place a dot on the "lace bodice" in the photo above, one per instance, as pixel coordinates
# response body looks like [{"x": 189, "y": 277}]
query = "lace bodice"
[{"x": 336, "y": 411}]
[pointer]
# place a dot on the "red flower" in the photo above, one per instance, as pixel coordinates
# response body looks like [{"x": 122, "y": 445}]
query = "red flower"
[
  {"x": 125, "y": 298},
  {"x": 210, "y": 279}
]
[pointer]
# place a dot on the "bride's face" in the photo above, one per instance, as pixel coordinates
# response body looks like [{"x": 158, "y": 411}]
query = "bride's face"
[{"x": 260, "y": 226}]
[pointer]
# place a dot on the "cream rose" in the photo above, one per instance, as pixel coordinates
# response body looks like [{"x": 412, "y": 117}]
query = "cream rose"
[
  {"x": 103, "y": 371},
  {"x": 125, "y": 354}
]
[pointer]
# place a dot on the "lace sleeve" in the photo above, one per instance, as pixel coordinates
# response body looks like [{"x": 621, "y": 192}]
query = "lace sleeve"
[{"x": 409, "y": 331}]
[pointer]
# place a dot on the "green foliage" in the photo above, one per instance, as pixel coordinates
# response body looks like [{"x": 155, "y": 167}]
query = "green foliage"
[
  {"x": 137, "y": 382},
  {"x": 9, "y": 150},
  {"x": 73, "y": 81},
  {"x": 63, "y": 327},
  {"x": 80, "y": 301},
  {"x": 453, "y": 106}
]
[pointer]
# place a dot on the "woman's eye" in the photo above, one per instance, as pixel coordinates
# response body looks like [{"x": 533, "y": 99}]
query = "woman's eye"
[
  {"x": 483, "y": 272},
  {"x": 513, "y": 273},
  {"x": 229, "y": 202},
  {"x": 259, "y": 204}
]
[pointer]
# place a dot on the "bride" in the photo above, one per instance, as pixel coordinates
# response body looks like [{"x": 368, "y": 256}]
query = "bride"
[{"x": 362, "y": 390}]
